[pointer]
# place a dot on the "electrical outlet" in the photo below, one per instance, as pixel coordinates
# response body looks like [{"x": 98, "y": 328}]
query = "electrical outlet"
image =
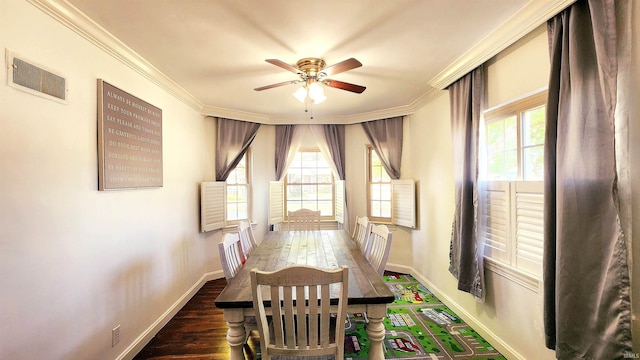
[{"x": 115, "y": 336}]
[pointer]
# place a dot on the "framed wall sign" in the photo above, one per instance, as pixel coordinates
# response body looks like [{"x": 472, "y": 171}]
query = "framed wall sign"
[{"x": 129, "y": 140}]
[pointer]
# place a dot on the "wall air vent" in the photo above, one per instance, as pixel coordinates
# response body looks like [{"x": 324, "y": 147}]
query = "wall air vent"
[{"x": 34, "y": 79}]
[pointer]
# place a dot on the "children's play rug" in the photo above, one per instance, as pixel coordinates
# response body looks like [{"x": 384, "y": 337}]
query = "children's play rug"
[{"x": 418, "y": 326}]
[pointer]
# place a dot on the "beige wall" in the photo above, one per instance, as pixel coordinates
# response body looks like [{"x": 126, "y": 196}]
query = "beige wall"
[{"x": 76, "y": 262}]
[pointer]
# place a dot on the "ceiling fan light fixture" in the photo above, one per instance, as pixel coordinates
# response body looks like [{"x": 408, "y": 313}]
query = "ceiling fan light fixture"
[
  {"x": 300, "y": 94},
  {"x": 316, "y": 91}
]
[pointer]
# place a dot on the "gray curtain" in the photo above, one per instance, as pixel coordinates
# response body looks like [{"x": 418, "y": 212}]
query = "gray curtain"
[
  {"x": 386, "y": 138},
  {"x": 284, "y": 135},
  {"x": 334, "y": 135},
  {"x": 234, "y": 138},
  {"x": 288, "y": 140},
  {"x": 466, "y": 98},
  {"x": 586, "y": 275}
]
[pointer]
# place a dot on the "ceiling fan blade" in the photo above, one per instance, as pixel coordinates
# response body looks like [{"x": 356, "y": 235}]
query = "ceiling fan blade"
[
  {"x": 284, "y": 65},
  {"x": 341, "y": 67},
  {"x": 276, "y": 85},
  {"x": 344, "y": 86}
]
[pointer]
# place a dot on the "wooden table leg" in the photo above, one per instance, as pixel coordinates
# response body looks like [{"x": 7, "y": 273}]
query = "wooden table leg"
[
  {"x": 375, "y": 330},
  {"x": 236, "y": 336}
]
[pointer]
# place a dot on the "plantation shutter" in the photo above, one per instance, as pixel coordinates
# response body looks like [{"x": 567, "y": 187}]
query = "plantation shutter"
[
  {"x": 528, "y": 200},
  {"x": 495, "y": 209},
  {"x": 513, "y": 232},
  {"x": 212, "y": 205},
  {"x": 339, "y": 201},
  {"x": 403, "y": 208},
  {"x": 276, "y": 202}
]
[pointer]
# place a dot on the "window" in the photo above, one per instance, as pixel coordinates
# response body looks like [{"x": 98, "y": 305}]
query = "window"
[
  {"x": 511, "y": 191},
  {"x": 514, "y": 140},
  {"x": 309, "y": 184},
  {"x": 238, "y": 192},
  {"x": 379, "y": 189}
]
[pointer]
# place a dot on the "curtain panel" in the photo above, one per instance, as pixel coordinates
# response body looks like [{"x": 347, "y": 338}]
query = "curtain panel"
[
  {"x": 288, "y": 140},
  {"x": 466, "y": 98},
  {"x": 334, "y": 136},
  {"x": 233, "y": 139},
  {"x": 586, "y": 274},
  {"x": 386, "y": 138}
]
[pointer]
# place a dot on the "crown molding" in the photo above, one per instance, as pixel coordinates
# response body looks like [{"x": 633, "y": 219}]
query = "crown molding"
[
  {"x": 214, "y": 111},
  {"x": 534, "y": 14},
  {"x": 78, "y": 22}
]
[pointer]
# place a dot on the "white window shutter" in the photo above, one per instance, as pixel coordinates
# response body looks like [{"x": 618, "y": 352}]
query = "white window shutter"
[
  {"x": 212, "y": 205},
  {"x": 528, "y": 200},
  {"x": 339, "y": 201},
  {"x": 403, "y": 209},
  {"x": 276, "y": 202},
  {"x": 496, "y": 218}
]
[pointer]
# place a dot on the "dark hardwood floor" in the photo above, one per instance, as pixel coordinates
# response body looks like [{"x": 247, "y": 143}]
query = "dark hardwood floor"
[{"x": 198, "y": 331}]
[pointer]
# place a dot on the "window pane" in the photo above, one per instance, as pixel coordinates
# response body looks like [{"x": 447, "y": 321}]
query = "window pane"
[
  {"x": 385, "y": 192},
  {"x": 243, "y": 211},
  {"x": 324, "y": 175},
  {"x": 294, "y": 192},
  {"x": 533, "y": 159},
  {"x": 376, "y": 174},
  {"x": 495, "y": 163},
  {"x": 326, "y": 208},
  {"x": 533, "y": 126},
  {"x": 375, "y": 192},
  {"x": 294, "y": 205},
  {"x": 375, "y": 208},
  {"x": 232, "y": 193},
  {"x": 309, "y": 192},
  {"x": 311, "y": 205},
  {"x": 303, "y": 180},
  {"x": 241, "y": 193},
  {"x": 385, "y": 209},
  {"x": 511, "y": 133},
  {"x": 325, "y": 192},
  {"x": 495, "y": 136},
  {"x": 309, "y": 176},
  {"x": 511, "y": 165},
  {"x": 294, "y": 175},
  {"x": 232, "y": 211}
]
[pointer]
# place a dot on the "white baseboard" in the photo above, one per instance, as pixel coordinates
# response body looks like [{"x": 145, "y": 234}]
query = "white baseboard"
[{"x": 144, "y": 338}]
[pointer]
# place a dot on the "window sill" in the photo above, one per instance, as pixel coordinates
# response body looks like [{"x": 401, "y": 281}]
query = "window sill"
[{"x": 517, "y": 276}]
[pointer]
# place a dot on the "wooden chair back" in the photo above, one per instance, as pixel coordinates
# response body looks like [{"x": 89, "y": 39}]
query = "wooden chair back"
[
  {"x": 232, "y": 260},
  {"x": 247, "y": 239},
  {"x": 230, "y": 254},
  {"x": 361, "y": 233},
  {"x": 308, "y": 305},
  {"x": 303, "y": 219},
  {"x": 379, "y": 247}
]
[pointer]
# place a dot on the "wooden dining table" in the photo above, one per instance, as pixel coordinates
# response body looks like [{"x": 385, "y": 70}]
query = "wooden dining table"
[{"x": 327, "y": 249}]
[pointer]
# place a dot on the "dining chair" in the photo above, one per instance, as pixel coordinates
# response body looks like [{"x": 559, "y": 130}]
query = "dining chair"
[
  {"x": 230, "y": 257},
  {"x": 361, "y": 233},
  {"x": 230, "y": 254},
  {"x": 303, "y": 219},
  {"x": 379, "y": 247},
  {"x": 247, "y": 239},
  {"x": 308, "y": 307}
]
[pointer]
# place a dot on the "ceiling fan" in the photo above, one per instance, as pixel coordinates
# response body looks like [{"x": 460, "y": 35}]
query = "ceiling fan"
[{"x": 312, "y": 72}]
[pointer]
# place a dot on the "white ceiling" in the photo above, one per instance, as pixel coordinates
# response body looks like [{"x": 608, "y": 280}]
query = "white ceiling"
[{"x": 211, "y": 53}]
